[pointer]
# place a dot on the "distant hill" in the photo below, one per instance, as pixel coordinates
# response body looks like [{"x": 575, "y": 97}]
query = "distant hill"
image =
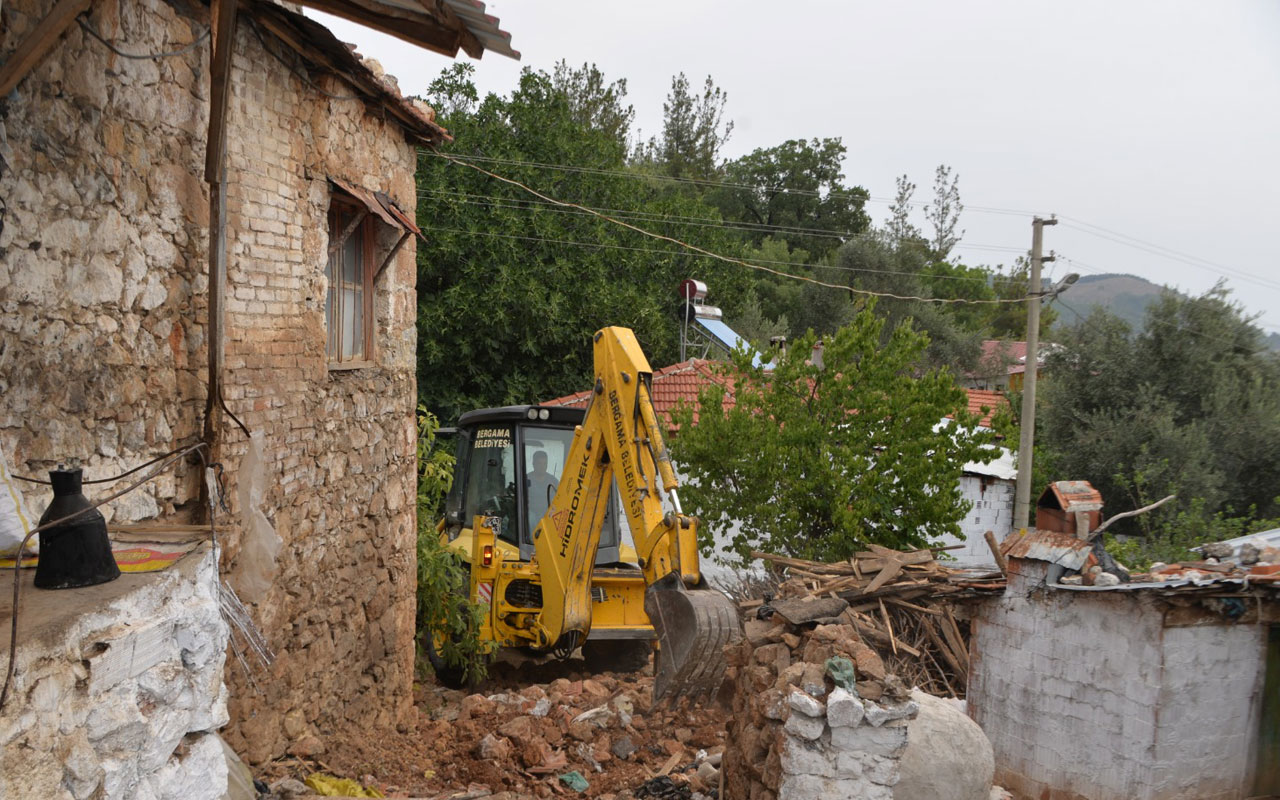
[{"x": 1126, "y": 296}]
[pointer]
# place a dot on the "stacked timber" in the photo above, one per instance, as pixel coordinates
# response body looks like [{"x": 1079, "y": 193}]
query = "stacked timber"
[{"x": 901, "y": 602}]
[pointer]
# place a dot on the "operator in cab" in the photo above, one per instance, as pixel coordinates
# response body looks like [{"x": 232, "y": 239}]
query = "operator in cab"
[{"x": 540, "y": 487}]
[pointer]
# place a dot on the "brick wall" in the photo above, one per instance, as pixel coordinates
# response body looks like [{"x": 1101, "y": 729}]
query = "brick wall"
[
  {"x": 1090, "y": 695},
  {"x": 102, "y": 337}
]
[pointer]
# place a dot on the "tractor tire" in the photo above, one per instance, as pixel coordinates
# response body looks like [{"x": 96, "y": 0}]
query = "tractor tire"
[
  {"x": 451, "y": 677},
  {"x": 617, "y": 655}
]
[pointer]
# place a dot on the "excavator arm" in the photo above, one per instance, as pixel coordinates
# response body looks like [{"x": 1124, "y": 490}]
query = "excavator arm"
[{"x": 620, "y": 439}]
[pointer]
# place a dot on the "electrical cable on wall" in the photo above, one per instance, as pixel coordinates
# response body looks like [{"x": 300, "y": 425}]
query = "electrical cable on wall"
[{"x": 89, "y": 29}]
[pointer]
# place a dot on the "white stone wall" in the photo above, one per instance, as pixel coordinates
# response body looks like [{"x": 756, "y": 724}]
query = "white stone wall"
[
  {"x": 1089, "y": 695},
  {"x": 843, "y": 748},
  {"x": 125, "y": 700}
]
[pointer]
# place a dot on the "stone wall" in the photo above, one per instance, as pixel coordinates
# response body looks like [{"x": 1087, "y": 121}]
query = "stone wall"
[
  {"x": 119, "y": 691},
  {"x": 814, "y": 715},
  {"x": 1091, "y": 695},
  {"x": 103, "y": 300}
]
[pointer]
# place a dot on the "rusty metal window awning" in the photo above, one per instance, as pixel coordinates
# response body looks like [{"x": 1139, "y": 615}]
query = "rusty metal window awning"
[{"x": 380, "y": 204}]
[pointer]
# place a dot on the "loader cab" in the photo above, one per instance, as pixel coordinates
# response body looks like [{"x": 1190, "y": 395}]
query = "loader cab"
[{"x": 509, "y": 462}]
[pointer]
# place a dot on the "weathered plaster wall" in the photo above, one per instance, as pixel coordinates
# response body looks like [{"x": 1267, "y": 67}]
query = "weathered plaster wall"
[
  {"x": 102, "y": 334},
  {"x": 1089, "y": 695},
  {"x": 1210, "y": 702},
  {"x": 118, "y": 691}
]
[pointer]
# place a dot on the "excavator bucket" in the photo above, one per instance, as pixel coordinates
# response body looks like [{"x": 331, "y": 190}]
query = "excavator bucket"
[{"x": 693, "y": 627}]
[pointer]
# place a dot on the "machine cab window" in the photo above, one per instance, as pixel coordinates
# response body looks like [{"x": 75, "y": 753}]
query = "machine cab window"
[{"x": 491, "y": 480}]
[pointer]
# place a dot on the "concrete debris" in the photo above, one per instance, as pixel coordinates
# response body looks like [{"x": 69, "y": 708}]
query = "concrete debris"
[{"x": 799, "y": 701}]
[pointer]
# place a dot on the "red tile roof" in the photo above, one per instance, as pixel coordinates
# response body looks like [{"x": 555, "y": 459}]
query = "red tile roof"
[
  {"x": 684, "y": 381},
  {"x": 993, "y": 401},
  {"x": 997, "y": 348}
]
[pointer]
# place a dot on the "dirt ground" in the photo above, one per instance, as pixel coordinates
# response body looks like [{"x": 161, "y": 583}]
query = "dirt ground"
[{"x": 521, "y": 729}]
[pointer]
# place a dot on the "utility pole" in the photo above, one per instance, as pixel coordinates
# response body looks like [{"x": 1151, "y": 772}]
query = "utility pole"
[{"x": 1022, "y": 496}]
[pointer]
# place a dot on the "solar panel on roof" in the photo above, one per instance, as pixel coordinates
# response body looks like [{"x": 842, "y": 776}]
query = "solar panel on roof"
[{"x": 727, "y": 337}]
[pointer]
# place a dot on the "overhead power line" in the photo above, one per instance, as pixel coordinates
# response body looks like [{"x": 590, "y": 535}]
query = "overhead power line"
[
  {"x": 724, "y": 258},
  {"x": 687, "y": 254},
  {"x": 497, "y": 201},
  {"x": 706, "y": 182},
  {"x": 1167, "y": 252},
  {"x": 1073, "y": 222}
]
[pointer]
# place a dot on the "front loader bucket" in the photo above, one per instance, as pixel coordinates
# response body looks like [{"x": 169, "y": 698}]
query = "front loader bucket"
[{"x": 693, "y": 627}]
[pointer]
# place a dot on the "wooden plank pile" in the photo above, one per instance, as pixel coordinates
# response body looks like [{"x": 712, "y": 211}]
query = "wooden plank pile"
[{"x": 899, "y": 602}]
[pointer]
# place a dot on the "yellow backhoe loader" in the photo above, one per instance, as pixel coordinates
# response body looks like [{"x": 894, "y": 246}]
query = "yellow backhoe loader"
[{"x": 537, "y": 509}]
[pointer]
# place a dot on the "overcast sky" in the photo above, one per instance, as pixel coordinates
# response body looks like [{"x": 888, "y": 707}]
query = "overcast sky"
[{"x": 1154, "y": 120}]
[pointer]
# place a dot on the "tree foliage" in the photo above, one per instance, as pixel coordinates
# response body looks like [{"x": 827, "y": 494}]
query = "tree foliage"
[
  {"x": 943, "y": 214},
  {"x": 442, "y": 610},
  {"x": 694, "y": 129},
  {"x": 510, "y": 288},
  {"x": 1190, "y": 405},
  {"x": 819, "y": 461},
  {"x": 799, "y": 185}
]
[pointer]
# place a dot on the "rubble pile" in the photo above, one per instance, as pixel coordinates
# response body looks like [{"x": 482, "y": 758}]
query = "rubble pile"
[
  {"x": 1256, "y": 559},
  {"x": 814, "y": 711},
  {"x": 593, "y": 736},
  {"x": 1252, "y": 561},
  {"x": 897, "y": 602}
]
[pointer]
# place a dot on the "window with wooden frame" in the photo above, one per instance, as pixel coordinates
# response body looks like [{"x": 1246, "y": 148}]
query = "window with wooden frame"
[{"x": 349, "y": 305}]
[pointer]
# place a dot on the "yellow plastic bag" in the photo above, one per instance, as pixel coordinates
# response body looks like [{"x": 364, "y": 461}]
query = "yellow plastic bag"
[{"x": 329, "y": 786}]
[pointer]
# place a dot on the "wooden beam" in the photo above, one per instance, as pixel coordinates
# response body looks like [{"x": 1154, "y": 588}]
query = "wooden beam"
[
  {"x": 342, "y": 238},
  {"x": 990, "y": 536},
  {"x": 404, "y": 237},
  {"x": 467, "y": 41},
  {"x": 222, "y": 44},
  {"x": 38, "y": 43}
]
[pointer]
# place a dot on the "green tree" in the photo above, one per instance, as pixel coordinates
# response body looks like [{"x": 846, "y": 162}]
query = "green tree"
[
  {"x": 943, "y": 214},
  {"x": 1190, "y": 405},
  {"x": 798, "y": 184},
  {"x": 594, "y": 103},
  {"x": 873, "y": 265},
  {"x": 443, "y": 612},
  {"x": 693, "y": 131},
  {"x": 819, "y": 461},
  {"x": 510, "y": 287}
]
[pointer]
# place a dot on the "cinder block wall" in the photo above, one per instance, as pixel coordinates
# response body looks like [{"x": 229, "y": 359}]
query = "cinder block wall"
[
  {"x": 1090, "y": 696},
  {"x": 103, "y": 300},
  {"x": 992, "y": 510}
]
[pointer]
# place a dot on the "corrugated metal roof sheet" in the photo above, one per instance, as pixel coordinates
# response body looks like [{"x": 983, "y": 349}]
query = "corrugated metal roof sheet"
[
  {"x": 1071, "y": 496},
  {"x": 484, "y": 27},
  {"x": 1055, "y": 548}
]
